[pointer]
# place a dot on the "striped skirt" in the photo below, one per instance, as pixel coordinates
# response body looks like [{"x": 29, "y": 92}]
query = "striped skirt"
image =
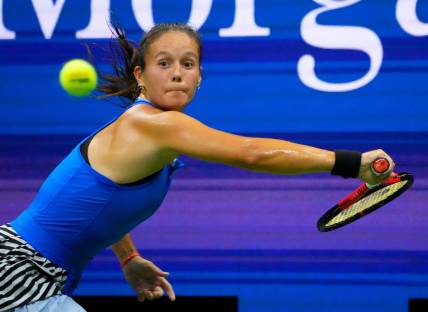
[{"x": 25, "y": 275}]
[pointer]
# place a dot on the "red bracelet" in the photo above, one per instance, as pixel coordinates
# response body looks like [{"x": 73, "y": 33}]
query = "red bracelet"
[{"x": 129, "y": 258}]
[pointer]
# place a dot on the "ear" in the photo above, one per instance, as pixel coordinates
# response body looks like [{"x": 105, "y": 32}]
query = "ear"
[{"x": 138, "y": 74}]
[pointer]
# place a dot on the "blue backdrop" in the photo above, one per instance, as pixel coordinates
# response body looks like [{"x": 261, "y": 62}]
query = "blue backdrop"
[
  {"x": 334, "y": 74},
  {"x": 251, "y": 79}
]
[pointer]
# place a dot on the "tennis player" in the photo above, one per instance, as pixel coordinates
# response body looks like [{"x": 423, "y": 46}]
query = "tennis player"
[{"x": 118, "y": 176}]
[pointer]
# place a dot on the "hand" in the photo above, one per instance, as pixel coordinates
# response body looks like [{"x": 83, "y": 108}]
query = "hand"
[
  {"x": 367, "y": 160},
  {"x": 147, "y": 279}
]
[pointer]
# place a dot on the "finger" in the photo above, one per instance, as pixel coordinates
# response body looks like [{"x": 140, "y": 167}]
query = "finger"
[
  {"x": 163, "y": 274},
  {"x": 169, "y": 290},
  {"x": 158, "y": 292},
  {"x": 141, "y": 297},
  {"x": 386, "y": 155},
  {"x": 148, "y": 294},
  {"x": 393, "y": 175},
  {"x": 390, "y": 172},
  {"x": 158, "y": 271},
  {"x": 391, "y": 163}
]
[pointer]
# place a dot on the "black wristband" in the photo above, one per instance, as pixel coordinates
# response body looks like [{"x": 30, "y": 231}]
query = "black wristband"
[{"x": 347, "y": 164}]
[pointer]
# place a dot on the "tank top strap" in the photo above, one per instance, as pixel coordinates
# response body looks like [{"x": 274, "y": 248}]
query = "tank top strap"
[
  {"x": 140, "y": 101},
  {"x": 176, "y": 164}
]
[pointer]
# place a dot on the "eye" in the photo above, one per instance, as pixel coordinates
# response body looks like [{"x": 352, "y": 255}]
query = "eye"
[
  {"x": 163, "y": 64},
  {"x": 188, "y": 64}
]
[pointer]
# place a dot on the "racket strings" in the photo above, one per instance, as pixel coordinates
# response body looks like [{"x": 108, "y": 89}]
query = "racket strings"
[{"x": 367, "y": 202}]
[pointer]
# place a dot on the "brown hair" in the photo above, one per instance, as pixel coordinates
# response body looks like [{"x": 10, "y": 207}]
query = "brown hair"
[{"x": 126, "y": 56}]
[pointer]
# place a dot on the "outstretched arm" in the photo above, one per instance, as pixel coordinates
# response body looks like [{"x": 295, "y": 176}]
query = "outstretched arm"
[
  {"x": 177, "y": 133},
  {"x": 182, "y": 134},
  {"x": 144, "y": 276}
]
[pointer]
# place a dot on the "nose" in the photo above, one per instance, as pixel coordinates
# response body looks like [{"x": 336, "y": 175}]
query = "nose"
[
  {"x": 176, "y": 75},
  {"x": 176, "y": 78}
]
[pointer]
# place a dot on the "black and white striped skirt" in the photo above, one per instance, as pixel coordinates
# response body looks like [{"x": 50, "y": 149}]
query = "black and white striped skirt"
[{"x": 25, "y": 275}]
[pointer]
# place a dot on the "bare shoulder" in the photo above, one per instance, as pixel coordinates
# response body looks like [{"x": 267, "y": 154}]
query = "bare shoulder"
[
  {"x": 157, "y": 121},
  {"x": 173, "y": 133},
  {"x": 168, "y": 118},
  {"x": 147, "y": 127}
]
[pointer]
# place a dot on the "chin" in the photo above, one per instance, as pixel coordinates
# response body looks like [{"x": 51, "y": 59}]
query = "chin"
[
  {"x": 175, "y": 103},
  {"x": 171, "y": 105},
  {"x": 179, "y": 107}
]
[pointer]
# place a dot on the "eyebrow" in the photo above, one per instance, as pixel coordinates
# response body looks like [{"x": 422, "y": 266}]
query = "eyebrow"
[{"x": 189, "y": 53}]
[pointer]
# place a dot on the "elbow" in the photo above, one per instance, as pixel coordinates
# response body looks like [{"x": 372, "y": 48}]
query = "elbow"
[{"x": 252, "y": 154}]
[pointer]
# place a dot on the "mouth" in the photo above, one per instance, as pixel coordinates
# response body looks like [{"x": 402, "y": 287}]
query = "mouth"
[{"x": 177, "y": 92}]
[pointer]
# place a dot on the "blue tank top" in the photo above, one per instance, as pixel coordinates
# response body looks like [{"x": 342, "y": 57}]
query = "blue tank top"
[{"x": 78, "y": 212}]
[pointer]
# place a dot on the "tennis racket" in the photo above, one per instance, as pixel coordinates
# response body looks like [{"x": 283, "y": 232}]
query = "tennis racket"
[{"x": 366, "y": 198}]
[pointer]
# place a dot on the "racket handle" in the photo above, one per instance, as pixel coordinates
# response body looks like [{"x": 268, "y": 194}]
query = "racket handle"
[{"x": 380, "y": 166}]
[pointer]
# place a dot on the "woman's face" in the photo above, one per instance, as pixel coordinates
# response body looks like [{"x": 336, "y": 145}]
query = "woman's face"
[{"x": 172, "y": 71}]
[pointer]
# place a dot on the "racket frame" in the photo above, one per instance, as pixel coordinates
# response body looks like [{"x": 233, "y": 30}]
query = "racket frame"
[{"x": 338, "y": 208}]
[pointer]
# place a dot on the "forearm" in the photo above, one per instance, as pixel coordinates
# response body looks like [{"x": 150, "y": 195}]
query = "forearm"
[
  {"x": 124, "y": 247},
  {"x": 283, "y": 157},
  {"x": 181, "y": 134}
]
